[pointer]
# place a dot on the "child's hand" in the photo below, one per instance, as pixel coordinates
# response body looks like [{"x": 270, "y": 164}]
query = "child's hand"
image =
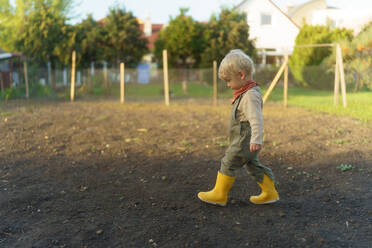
[{"x": 255, "y": 147}]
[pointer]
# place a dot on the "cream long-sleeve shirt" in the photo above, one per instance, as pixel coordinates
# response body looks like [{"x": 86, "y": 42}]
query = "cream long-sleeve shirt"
[{"x": 250, "y": 109}]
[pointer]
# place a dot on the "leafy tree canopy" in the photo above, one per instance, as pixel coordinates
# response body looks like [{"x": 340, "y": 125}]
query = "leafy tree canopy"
[
  {"x": 183, "y": 39},
  {"x": 122, "y": 38},
  {"x": 226, "y": 31},
  {"x": 14, "y": 20}
]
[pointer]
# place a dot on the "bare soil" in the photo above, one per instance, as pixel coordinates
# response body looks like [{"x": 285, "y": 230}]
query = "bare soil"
[{"x": 101, "y": 174}]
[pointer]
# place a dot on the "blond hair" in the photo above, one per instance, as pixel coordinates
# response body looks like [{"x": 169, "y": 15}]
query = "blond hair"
[{"x": 236, "y": 61}]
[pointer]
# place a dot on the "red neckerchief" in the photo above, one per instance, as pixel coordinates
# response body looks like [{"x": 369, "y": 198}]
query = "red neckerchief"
[{"x": 245, "y": 87}]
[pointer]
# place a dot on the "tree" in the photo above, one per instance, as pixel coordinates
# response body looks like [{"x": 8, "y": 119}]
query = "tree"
[
  {"x": 11, "y": 22},
  {"x": 306, "y": 64},
  {"x": 183, "y": 38},
  {"x": 358, "y": 60},
  {"x": 13, "y": 19},
  {"x": 44, "y": 31},
  {"x": 229, "y": 30},
  {"x": 122, "y": 38},
  {"x": 86, "y": 39}
]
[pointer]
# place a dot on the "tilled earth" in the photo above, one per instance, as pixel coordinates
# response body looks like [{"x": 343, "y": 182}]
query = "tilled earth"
[{"x": 101, "y": 174}]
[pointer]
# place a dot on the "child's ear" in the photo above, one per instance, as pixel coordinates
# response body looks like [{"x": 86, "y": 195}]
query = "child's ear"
[{"x": 241, "y": 75}]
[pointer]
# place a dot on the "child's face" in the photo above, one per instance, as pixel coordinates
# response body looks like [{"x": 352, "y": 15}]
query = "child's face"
[{"x": 235, "y": 81}]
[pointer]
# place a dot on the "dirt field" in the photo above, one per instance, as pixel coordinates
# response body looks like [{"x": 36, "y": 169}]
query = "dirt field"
[{"x": 101, "y": 174}]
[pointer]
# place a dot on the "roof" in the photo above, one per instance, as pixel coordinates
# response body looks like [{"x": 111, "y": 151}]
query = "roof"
[
  {"x": 304, "y": 5},
  {"x": 281, "y": 11},
  {"x": 9, "y": 55},
  {"x": 240, "y": 4},
  {"x": 5, "y": 56}
]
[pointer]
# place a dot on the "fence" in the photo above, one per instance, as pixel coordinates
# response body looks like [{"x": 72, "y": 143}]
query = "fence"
[
  {"x": 146, "y": 82},
  {"x": 141, "y": 83}
]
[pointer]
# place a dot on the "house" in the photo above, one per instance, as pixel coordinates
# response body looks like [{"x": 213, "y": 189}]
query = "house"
[
  {"x": 303, "y": 13},
  {"x": 148, "y": 68},
  {"x": 151, "y": 33},
  {"x": 273, "y": 31},
  {"x": 342, "y": 18},
  {"x": 10, "y": 66}
]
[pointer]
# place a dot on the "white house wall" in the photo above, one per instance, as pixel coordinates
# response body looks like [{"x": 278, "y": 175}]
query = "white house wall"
[{"x": 280, "y": 35}]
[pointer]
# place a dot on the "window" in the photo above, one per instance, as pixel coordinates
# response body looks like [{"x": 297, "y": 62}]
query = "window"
[{"x": 265, "y": 19}]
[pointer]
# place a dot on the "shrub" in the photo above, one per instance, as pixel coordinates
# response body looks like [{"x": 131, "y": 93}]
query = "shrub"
[
  {"x": 358, "y": 59},
  {"x": 35, "y": 90},
  {"x": 306, "y": 63},
  {"x": 39, "y": 90},
  {"x": 265, "y": 75},
  {"x": 11, "y": 93}
]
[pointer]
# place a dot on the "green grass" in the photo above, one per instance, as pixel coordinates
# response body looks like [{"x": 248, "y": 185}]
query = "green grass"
[
  {"x": 151, "y": 90},
  {"x": 5, "y": 114},
  {"x": 359, "y": 105}
]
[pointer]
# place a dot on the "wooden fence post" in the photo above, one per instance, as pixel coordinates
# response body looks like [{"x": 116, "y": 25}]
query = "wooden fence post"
[
  {"x": 337, "y": 80},
  {"x": 105, "y": 74},
  {"x": 122, "y": 68},
  {"x": 92, "y": 68},
  {"x": 166, "y": 83},
  {"x": 72, "y": 92},
  {"x": 26, "y": 79},
  {"x": 342, "y": 75},
  {"x": 184, "y": 81},
  {"x": 276, "y": 79},
  {"x": 184, "y": 87},
  {"x": 215, "y": 83},
  {"x": 285, "y": 88}
]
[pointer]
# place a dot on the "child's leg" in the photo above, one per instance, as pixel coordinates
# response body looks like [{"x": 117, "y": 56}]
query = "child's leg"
[
  {"x": 230, "y": 163},
  {"x": 257, "y": 170},
  {"x": 265, "y": 179},
  {"x": 225, "y": 179}
]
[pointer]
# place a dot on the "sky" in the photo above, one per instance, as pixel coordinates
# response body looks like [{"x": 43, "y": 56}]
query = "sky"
[{"x": 201, "y": 10}]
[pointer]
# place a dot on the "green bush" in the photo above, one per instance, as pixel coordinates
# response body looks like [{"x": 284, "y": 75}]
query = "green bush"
[
  {"x": 11, "y": 93},
  {"x": 265, "y": 75},
  {"x": 39, "y": 90},
  {"x": 358, "y": 59},
  {"x": 306, "y": 63},
  {"x": 94, "y": 87},
  {"x": 35, "y": 90},
  {"x": 319, "y": 76}
]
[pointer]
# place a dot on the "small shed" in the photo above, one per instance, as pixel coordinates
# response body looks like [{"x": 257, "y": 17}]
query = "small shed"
[{"x": 10, "y": 66}]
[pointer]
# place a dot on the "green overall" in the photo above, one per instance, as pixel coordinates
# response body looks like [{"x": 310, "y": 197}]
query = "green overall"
[{"x": 238, "y": 153}]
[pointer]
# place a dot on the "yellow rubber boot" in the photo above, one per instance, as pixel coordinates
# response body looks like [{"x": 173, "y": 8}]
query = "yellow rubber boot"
[
  {"x": 268, "y": 194},
  {"x": 218, "y": 195}
]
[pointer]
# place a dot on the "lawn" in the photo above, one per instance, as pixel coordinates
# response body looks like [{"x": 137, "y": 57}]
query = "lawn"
[{"x": 359, "y": 105}]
